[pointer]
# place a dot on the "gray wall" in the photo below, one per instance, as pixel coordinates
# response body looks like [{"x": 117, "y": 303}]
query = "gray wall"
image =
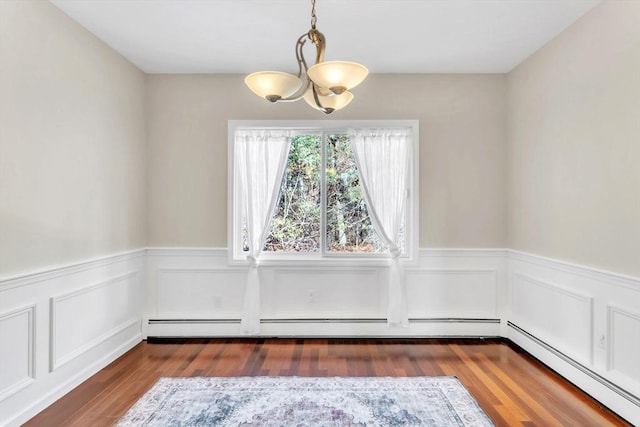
[
  {"x": 72, "y": 142},
  {"x": 574, "y": 143},
  {"x": 462, "y": 151}
]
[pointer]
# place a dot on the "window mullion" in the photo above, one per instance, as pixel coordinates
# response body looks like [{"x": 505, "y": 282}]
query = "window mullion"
[{"x": 323, "y": 194}]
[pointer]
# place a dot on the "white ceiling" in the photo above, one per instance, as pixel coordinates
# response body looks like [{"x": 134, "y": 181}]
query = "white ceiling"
[{"x": 388, "y": 36}]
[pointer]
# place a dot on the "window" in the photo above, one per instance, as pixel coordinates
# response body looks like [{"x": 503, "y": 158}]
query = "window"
[
  {"x": 297, "y": 221},
  {"x": 321, "y": 210}
]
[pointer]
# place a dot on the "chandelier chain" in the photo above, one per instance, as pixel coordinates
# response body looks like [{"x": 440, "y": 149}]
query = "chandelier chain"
[{"x": 314, "y": 18}]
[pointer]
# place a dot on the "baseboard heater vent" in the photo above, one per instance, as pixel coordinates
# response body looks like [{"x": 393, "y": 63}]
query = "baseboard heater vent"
[
  {"x": 321, "y": 320},
  {"x": 191, "y": 321},
  {"x": 617, "y": 389},
  {"x": 452, "y": 320}
]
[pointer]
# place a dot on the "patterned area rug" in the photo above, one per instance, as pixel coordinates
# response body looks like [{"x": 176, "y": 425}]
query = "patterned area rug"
[{"x": 301, "y": 401}]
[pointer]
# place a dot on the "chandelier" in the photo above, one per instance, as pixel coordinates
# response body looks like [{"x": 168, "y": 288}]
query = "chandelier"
[{"x": 324, "y": 86}]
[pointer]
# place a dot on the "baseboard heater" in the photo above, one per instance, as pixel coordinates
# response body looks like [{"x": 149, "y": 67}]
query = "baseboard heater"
[
  {"x": 322, "y": 320},
  {"x": 594, "y": 375}
]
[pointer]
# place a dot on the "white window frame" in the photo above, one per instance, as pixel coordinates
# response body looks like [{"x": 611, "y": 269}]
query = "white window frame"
[{"x": 322, "y": 257}]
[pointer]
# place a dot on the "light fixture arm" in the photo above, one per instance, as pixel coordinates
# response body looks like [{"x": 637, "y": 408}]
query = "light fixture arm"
[{"x": 319, "y": 41}]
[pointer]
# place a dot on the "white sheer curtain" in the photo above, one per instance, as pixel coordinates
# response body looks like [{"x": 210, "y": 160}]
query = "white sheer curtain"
[
  {"x": 261, "y": 156},
  {"x": 382, "y": 157}
]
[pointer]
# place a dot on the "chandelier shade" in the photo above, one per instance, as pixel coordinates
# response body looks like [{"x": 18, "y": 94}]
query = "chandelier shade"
[
  {"x": 333, "y": 102},
  {"x": 273, "y": 85},
  {"x": 324, "y": 86},
  {"x": 337, "y": 76}
]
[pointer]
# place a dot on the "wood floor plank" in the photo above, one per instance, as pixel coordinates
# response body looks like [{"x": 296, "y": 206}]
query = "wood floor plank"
[
  {"x": 513, "y": 388},
  {"x": 509, "y": 392}
]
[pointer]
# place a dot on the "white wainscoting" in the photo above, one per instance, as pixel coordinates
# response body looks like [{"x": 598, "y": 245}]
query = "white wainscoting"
[
  {"x": 60, "y": 326},
  {"x": 583, "y": 323},
  {"x": 193, "y": 292}
]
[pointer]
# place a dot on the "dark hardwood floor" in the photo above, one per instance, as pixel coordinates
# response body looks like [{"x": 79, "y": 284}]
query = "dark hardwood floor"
[{"x": 512, "y": 387}]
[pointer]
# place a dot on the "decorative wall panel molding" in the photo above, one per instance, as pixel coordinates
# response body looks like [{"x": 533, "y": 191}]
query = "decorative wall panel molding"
[
  {"x": 214, "y": 292},
  {"x": 463, "y": 253},
  {"x": 463, "y": 293},
  {"x": 187, "y": 252},
  {"x": 624, "y": 345},
  {"x": 17, "y": 358},
  {"x": 323, "y": 293},
  {"x": 543, "y": 309},
  {"x": 70, "y": 338}
]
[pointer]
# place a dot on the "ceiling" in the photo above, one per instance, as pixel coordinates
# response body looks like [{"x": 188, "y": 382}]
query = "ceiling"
[{"x": 388, "y": 36}]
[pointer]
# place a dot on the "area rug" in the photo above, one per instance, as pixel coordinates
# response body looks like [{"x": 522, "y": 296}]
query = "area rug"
[{"x": 302, "y": 401}]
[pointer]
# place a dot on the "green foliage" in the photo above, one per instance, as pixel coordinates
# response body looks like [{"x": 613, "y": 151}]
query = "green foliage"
[
  {"x": 296, "y": 223},
  {"x": 349, "y": 227}
]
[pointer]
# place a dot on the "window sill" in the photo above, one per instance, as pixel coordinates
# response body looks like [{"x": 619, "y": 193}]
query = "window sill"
[{"x": 381, "y": 260}]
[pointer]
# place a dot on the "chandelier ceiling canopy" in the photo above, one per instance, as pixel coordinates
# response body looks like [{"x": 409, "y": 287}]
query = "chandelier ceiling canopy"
[{"x": 324, "y": 86}]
